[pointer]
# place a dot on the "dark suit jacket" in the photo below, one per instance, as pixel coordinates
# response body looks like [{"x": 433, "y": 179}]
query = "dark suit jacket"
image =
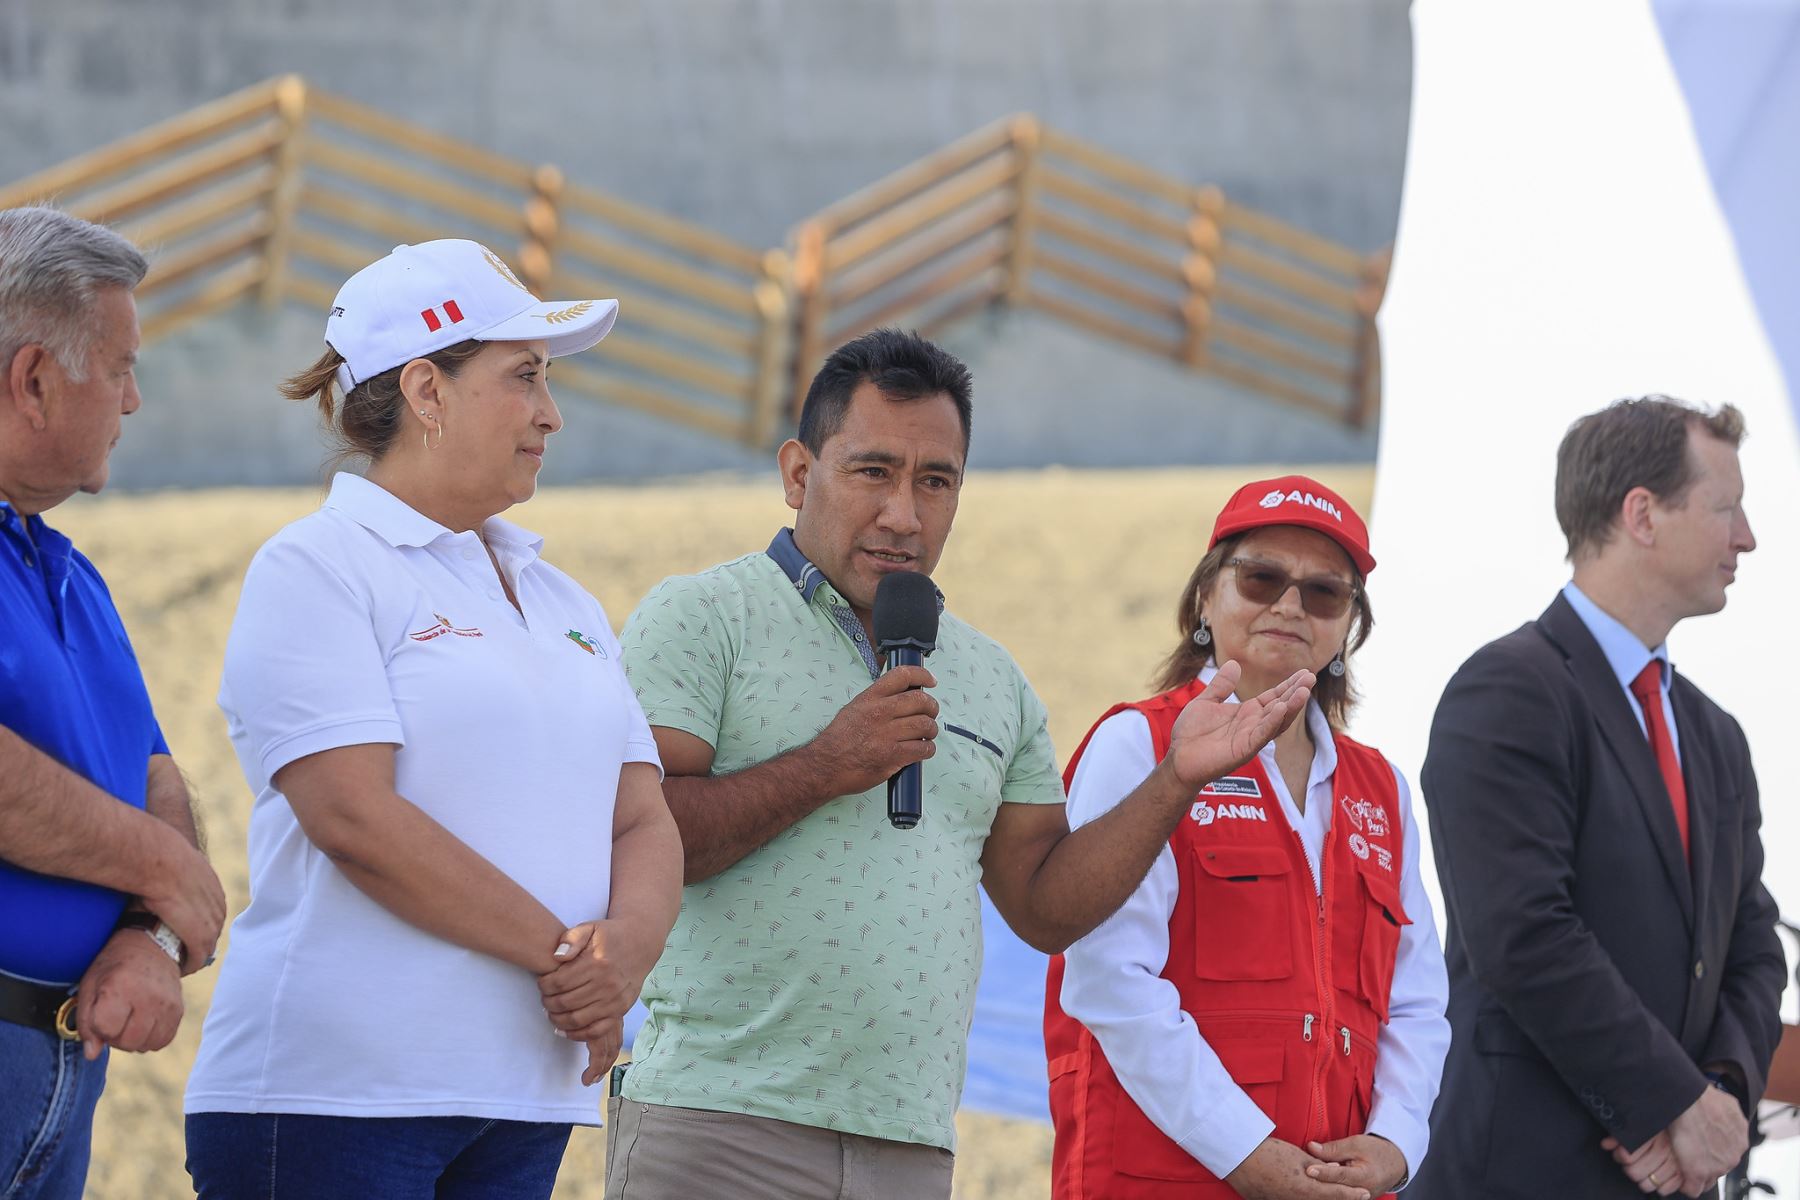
[{"x": 1591, "y": 971}]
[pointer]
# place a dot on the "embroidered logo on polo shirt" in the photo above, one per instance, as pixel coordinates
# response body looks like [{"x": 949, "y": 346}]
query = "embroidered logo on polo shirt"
[
  {"x": 442, "y": 627},
  {"x": 585, "y": 642}
]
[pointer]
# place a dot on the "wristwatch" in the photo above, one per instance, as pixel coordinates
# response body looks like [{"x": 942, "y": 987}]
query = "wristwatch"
[
  {"x": 159, "y": 933},
  {"x": 1727, "y": 1083}
]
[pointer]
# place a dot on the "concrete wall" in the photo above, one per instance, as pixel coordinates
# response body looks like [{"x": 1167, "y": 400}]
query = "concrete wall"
[{"x": 747, "y": 115}]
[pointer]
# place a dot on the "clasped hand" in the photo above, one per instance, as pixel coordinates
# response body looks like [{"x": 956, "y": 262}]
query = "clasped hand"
[
  {"x": 1352, "y": 1168},
  {"x": 129, "y": 998},
  {"x": 586, "y": 995},
  {"x": 1704, "y": 1142}
]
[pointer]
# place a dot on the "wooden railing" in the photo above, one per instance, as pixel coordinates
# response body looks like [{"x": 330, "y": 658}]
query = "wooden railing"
[
  {"x": 1020, "y": 213},
  {"x": 697, "y": 311},
  {"x": 926, "y": 245},
  {"x": 281, "y": 191},
  {"x": 201, "y": 192}
]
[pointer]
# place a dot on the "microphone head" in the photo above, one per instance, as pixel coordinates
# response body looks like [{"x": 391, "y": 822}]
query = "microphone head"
[{"x": 906, "y": 612}]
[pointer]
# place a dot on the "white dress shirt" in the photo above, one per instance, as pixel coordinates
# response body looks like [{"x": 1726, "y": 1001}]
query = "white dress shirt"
[{"x": 1112, "y": 978}]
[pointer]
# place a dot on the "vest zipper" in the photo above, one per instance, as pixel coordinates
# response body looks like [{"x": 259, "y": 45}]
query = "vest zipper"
[
  {"x": 1321, "y": 965},
  {"x": 1345, "y": 1030},
  {"x": 1306, "y": 1029}
]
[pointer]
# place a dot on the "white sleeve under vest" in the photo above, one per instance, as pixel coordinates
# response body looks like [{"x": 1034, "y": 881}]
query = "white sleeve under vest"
[
  {"x": 1112, "y": 984},
  {"x": 1112, "y": 981},
  {"x": 1409, "y": 1055}
]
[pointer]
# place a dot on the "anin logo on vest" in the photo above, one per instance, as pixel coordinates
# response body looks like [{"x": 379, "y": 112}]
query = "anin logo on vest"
[
  {"x": 1205, "y": 814},
  {"x": 1277, "y": 499},
  {"x": 1233, "y": 785}
]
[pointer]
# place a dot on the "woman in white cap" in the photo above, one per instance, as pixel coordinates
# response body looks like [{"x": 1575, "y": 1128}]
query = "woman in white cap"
[
  {"x": 461, "y": 865},
  {"x": 1265, "y": 1015}
]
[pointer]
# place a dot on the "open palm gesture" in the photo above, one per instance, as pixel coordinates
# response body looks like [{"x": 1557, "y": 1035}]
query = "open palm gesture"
[{"x": 1212, "y": 736}]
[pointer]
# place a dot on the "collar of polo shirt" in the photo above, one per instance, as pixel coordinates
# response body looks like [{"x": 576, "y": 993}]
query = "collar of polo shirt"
[
  {"x": 399, "y": 524},
  {"x": 800, "y": 570}
]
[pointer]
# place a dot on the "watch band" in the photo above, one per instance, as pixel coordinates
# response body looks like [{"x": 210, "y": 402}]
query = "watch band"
[
  {"x": 165, "y": 937},
  {"x": 160, "y": 933}
]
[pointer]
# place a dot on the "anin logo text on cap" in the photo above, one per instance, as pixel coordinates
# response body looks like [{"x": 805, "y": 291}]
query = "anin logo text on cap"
[{"x": 1277, "y": 499}]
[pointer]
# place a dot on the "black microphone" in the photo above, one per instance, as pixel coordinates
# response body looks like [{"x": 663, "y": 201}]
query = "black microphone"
[{"x": 906, "y": 628}]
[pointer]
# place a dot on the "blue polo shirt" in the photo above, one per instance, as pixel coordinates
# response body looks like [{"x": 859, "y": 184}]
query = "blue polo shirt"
[{"x": 70, "y": 686}]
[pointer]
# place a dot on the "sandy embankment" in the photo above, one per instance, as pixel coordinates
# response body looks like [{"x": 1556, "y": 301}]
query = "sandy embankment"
[{"x": 1076, "y": 572}]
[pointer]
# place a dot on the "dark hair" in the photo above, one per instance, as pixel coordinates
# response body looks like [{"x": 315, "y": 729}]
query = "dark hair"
[
  {"x": 1335, "y": 693},
  {"x": 1629, "y": 444},
  {"x": 371, "y": 416},
  {"x": 901, "y": 364}
]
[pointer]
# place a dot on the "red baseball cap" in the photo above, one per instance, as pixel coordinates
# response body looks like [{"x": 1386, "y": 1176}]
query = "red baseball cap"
[{"x": 1296, "y": 500}]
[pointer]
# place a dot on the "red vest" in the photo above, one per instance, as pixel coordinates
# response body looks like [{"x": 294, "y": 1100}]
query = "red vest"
[{"x": 1288, "y": 986}]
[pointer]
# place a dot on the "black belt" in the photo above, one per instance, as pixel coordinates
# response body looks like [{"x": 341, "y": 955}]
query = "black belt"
[{"x": 38, "y": 1006}]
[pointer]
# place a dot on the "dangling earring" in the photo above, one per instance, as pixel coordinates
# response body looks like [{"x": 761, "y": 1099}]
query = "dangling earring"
[
  {"x": 425, "y": 437},
  {"x": 1203, "y": 635},
  {"x": 1335, "y": 668}
]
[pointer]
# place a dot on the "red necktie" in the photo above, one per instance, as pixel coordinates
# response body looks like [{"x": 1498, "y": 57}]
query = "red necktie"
[{"x": 1647, "y": 687}]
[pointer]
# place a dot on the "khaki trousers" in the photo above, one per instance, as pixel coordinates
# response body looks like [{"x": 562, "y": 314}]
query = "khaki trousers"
[{"x": 655, "y": 1152}]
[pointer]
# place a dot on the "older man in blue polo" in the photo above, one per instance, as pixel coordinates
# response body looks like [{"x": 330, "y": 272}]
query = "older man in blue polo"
[{"x": 105, "y": 898}]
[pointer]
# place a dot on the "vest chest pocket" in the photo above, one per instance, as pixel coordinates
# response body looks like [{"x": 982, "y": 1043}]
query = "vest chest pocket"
[
  {"x": 1243, "y": 913},
  {"x": 1368, "y": 937}
]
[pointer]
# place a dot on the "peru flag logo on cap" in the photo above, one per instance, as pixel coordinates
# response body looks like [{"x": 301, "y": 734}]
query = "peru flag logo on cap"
[{"x": 444, "y": 314}]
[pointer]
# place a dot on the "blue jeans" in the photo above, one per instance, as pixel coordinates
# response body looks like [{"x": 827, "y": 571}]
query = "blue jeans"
[
  {"x": 47, "y": 1097},
  {"x": 290, "y": 1156}
]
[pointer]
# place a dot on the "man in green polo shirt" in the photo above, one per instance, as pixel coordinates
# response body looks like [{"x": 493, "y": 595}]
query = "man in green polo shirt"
[{"x": 809, "y": 1019}]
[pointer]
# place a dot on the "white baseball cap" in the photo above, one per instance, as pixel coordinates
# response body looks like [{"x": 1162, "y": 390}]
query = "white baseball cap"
[{"x": 420, "y": 299}]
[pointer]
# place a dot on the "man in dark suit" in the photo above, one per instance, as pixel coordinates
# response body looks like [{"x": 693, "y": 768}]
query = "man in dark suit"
[{"x": 1615, "y": 975}]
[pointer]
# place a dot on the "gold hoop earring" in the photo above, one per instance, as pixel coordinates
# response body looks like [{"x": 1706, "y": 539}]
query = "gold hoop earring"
[{"x": 426, "y": 438}]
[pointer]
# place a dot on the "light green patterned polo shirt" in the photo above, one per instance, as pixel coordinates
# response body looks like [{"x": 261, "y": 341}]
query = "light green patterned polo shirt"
[{"x": 829, "y": 977}]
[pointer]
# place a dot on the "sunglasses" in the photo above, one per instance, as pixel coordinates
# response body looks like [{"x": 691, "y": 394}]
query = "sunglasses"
[{"x": 1324, "y": 596}]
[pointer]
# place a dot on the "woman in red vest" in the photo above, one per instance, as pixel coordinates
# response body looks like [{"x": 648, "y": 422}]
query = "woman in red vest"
[{"x": 1265, "y": 1016}]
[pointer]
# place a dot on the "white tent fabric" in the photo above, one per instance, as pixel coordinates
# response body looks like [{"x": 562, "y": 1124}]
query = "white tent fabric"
[
  {"x": 1561, "y": 246},
  {"x": 1739, "y": 66}
]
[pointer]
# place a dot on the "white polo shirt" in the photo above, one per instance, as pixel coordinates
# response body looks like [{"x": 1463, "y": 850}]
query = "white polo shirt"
[{"x": 368, "y": 622}]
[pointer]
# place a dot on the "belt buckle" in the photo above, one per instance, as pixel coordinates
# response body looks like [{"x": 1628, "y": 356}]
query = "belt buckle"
[{"x": 65, "y": 1029}]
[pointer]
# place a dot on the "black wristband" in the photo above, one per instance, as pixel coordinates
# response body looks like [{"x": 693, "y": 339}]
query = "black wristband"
[{"x": 138, "y": 918}]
